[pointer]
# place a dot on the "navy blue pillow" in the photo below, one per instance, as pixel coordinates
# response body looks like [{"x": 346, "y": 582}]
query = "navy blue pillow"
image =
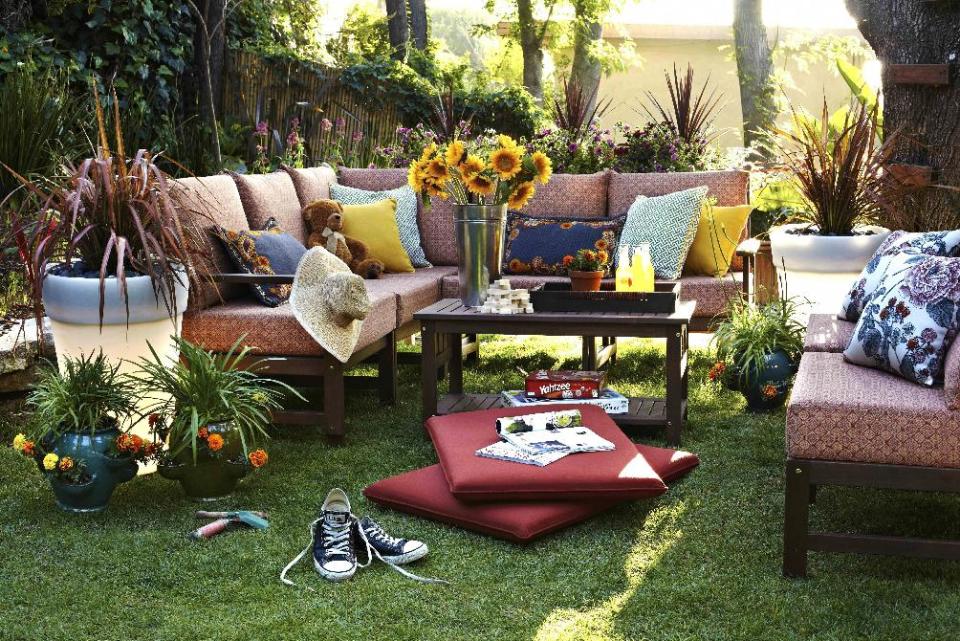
[
  {"x": 538, "y": 245},
  {"x": 268, "y": 251}
]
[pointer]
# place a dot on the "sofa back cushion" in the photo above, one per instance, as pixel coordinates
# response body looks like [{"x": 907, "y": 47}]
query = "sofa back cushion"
[
  {"x": 951, "y": 376},
  {"x": 267, "y": 196},
  {"x": 571, "y": 195},
  {"x": 203, "y": 203},
  {"x": 730, "y": 188},
  {"x": 538, "y": 245},
  {"x": 312, "y": 183}
]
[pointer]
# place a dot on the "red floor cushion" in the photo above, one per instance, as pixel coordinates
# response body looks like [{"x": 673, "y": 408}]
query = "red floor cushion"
[
  {"x": 425, "y": 493},
  {"x": 620, "y": 474}
]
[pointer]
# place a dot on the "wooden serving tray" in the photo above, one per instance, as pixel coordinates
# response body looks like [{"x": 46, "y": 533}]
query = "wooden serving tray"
[{"x": 558, "y": 297}]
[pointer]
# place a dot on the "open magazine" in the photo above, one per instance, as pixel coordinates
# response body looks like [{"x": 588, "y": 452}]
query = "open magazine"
[{"x": 541, "y": 439}]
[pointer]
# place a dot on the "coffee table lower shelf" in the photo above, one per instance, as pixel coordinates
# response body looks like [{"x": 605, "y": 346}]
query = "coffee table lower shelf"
[{"x": 644, "y": 412}]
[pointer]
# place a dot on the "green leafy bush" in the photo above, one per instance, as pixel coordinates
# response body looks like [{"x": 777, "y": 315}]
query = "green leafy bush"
[{"x": 657, "y": 147}]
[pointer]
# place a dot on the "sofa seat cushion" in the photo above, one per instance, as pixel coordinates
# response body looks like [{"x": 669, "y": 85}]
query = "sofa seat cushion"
[
  {"x": 424, "y": 492},
  {"x": 710, "y": 293},
  {"x": 275, "y": 330},
  {"x": 413, "y": 291},
  {"x": 267, "y": 196},
  {"x": 203, "y": 203},
  {"x": 619, "y": 474},
  {"x": 843, "y": 412},
  {"x": 827, "y": 333}
]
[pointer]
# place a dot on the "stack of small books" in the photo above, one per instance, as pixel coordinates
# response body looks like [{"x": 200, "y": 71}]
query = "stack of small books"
[{"x": 541, "y": 439}]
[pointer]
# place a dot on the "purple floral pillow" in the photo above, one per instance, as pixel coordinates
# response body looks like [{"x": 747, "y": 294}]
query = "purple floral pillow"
[
  {"x": 933, "y": 243},
  {"x": 908, "y": 324}
]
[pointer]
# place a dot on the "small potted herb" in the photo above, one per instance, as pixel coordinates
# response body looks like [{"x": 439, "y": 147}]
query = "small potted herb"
[
  {"x": 210, "y": 412},
  {"x": 758, "y": 350},
  {"x": 80, "y": 415},
  {"x": 586, "y": 269}
]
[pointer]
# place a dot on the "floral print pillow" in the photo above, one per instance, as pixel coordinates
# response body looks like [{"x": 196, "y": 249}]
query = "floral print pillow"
[
  {"x": 538, "y": 245},
  {"x": 934, "y": 243},
  {"x": 269, "y": 251},
  {"x": 908, "y": 324}
]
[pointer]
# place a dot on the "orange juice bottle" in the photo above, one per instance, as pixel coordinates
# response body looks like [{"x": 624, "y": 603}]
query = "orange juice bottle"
[
  {"x": 641, "y": 269},
  {"x": 624, "y": 277}
]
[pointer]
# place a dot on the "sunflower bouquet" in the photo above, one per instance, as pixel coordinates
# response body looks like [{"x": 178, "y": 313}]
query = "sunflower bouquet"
[{"x": 491, "y": 170}]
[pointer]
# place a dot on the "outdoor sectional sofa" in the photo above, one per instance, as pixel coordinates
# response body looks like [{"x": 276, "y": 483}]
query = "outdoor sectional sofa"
[
  {"x": 223, "y": 310},
  {"x": 849, "y": 425}
]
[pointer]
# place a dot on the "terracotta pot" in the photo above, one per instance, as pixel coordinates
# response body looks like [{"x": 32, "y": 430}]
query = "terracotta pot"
[{"x": 585, "y": 281}]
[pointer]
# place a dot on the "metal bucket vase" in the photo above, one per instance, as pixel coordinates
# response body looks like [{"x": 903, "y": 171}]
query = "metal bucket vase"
[{"x": 480, "y": 238}]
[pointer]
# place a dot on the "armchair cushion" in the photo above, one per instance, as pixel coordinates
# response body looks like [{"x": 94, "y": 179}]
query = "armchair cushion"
[
  {"x": 571, "y": 195},
  {"x": 827, "y": 333},
  {"x": 718, "y": 234}
]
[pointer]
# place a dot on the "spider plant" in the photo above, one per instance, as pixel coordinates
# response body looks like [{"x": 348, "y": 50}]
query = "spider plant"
[
  {"x": 88, "y": 395},
  {"x": 691, "y": 113},
  {"x": 749, "y": 333},
  {"x": 206, "y": 387},
  {"x": 839, "y": 169},
  {"x": 578, "y": 108}
]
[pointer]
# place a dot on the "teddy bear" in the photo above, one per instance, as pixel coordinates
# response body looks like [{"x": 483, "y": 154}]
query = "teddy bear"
[{"x": 324, "y": 220}]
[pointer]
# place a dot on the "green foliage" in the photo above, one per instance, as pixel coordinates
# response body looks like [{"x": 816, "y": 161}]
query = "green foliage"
[
  {"x": 575, "y": 152},
  {"x": 862, "y": 91},
  {"x": 363, "y": 36},
  {"x": 749, "y": 333},
  {"x": 383, "y": 81},
  {"x": 510, "y": 110},
  {"x": 89, "y": 395},
  {"x": 202, "y": 388},
  {"x": 287, "y": 27},
  {"x": 657, "y": 147}
]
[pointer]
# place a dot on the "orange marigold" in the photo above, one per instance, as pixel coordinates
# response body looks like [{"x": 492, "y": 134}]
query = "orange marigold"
[
  {"x": 203, "y": 433},
  {"x": 258, "y": 458},
  {"x": 28, "y": 448},
  {"x": 215, "y": 442},
  {"x": 717, "y": 370},
  {"x": 66, "y": 464},
  {"x": 769, "y": 392}
]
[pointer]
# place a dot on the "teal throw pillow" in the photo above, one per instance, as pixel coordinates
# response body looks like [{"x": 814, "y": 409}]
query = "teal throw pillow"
[
  {"x": 669, "y": 224},
  {"x": 406, "y": 214}
]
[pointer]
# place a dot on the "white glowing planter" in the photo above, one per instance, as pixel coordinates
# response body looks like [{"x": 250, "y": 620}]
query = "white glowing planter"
[
  {"x": 73, "y": 306},
  {"x": 822, "y": 269}
]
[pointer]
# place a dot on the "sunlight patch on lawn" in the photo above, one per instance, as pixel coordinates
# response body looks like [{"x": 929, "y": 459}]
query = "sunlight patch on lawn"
[{"x": 660, "y": 532}]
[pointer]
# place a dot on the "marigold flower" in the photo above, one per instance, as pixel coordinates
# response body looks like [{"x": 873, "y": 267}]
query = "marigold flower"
[
  {"x": 717, "y": 370},
  {"x": 50, "y": 462},
  {"x": 523, "y": 193},
  {"x": 567, "y": 260},
  {"x": 769, "y": 392},
  {"x": 66, "y": 464},
  {"x": 18, "y": 442},
  {"x": 215, "y": 442},
  {"x": 28, "y": 448},
  {"x": 203, "y": 433},
  {"x": 258, "y": 458}
]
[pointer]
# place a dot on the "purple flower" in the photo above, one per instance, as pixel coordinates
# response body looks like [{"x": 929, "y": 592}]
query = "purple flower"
[
  {"x": 326, "y": 125},
  {"x": 929, "y": 334},
  {"x": 357, "y": 136},
  {"x": 263, "y": 129},
  {"x": 341, "y": 123},
  {"x": 572, "y": 148},
  {"x": 293, "y": 139},
  {"x": 932, "y": 280},
  {"x": 295, "y": 122}
]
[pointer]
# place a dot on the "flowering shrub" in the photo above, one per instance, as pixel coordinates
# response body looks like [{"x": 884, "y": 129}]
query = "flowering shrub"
[
  {"x": 65, "y": 469},
  {"x": 658, "y": 148},
  {"x": 575, "y": 152},
  {"x": 411, "y": 141}
]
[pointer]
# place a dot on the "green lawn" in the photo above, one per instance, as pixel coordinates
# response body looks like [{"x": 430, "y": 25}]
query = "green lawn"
[{"x": 700, "y": 562}]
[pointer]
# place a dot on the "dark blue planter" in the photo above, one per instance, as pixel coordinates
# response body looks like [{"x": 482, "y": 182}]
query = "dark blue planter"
[
  {"x": 106, "y": 472},
  {"x": 767, "y": 389}
]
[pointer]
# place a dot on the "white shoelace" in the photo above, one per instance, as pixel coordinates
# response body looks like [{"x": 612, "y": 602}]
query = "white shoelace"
[{"x": 341, "y": 540}]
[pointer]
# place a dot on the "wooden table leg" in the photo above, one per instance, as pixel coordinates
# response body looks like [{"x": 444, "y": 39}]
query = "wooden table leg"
[
  {"x": 428, "y": 370},
  {"x": 674, "y": 366},
  {"x": 455, "y": 364},
  {"x": 589, "y": 353},
  {"x": 685, "y": 364}
]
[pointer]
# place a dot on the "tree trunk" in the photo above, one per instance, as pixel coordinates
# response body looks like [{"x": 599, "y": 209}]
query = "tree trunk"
[
  {"x": 926, "y": 117},
  {"x": 216, "y": 18},
  {"x": 211, "y": 19},
  {"x": 531, "y": 45},
  {"x": 586, "y": 69},
  {"x": 397, "y": 28},
  {"x": 754, "y": 64},
  {"x": 418, "y": 23}
]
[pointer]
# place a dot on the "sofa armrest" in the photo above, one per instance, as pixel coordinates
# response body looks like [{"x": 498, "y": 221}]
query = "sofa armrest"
[
  {"x": 749, "y": 247},
  {"x": 253, "y": 279}
]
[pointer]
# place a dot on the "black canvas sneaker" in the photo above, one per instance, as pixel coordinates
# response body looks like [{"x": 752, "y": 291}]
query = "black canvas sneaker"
[
  {"x": 389, "y": 549},
  {"x": 333, "y": 550}
]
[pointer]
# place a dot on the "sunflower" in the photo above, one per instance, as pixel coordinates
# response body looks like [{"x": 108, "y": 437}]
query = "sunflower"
[
  {"x": 543, "y": 166},
  {"x": 471, "y": 165},
  {"x": 438, "y": 170},
  {"x": 455, "y": 154},
  {"x": 506, "y": 162},
  {"x": 480, "y": 185},
  {"x": 428, "y": 152},
  {"x": 523, "y": 193},
  {"x": 415, "y": 175},
  {"x": 507, "y": 142}
]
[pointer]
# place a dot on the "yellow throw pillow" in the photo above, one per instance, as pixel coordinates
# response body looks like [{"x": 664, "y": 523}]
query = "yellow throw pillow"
[
  {"x": 718, "y": 235},
  {"x": 376, "y": 225}
]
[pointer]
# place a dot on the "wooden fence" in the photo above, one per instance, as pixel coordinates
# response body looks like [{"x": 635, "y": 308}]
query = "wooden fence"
[{"x": 257, "y": 88}]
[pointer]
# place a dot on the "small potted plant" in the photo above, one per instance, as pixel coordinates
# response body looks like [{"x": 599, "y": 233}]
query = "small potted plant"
[
  {"x": 586, "y": 269},
  {"x": 80, "y": 415},
  {"x": 758, "y": 350},
  {"x": 210, "y": 412}
]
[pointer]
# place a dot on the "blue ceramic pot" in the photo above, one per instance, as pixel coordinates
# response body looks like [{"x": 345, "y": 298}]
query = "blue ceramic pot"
[
  {"x": 106, "y": 472},
  {"x": 767, "y": 388}
]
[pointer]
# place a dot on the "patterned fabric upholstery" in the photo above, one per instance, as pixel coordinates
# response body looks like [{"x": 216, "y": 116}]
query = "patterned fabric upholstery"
[
  {"x": 826, "y": 333},
  {"x": 539, "y": 245},
  {"x": 951, "y": 376},
  {"x": 730, "y": 187},
  {"x": 266, "y": 251},
  {"x": 275, "y": 330},
  {"x": 413, "y": 291},
  {"x": 203, "y": 203},
  {"x": 843, "y": 412},
  {"x": 571, "y": 195},
  {"x": 669, "y": 224},
  {"x": 267, "y": 196},
  {"x": 312, "y": 183},
  {"x": 710, "y": 293}
]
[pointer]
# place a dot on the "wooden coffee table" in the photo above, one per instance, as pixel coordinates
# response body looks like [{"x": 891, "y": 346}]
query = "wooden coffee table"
[{"x": 445, "y": 322}]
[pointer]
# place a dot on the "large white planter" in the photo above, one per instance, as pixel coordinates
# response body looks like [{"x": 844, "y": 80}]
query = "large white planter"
[
  {"x": 73, "y": 306},
  {"x": 821, "y": 269}
]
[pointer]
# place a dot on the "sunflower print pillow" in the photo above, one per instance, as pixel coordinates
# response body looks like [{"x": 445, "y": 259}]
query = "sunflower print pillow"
[
  {"x": 538, "y": 245},
  {"x": 268, "y": 251}
]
